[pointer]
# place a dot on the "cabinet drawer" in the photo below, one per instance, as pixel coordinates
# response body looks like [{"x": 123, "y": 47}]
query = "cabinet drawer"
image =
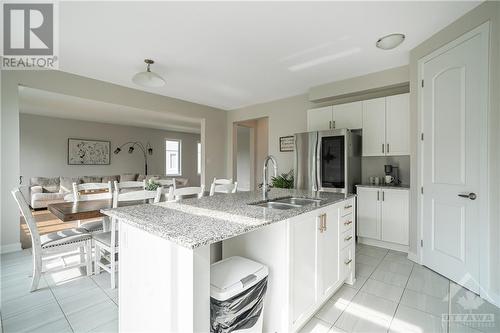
[
  {"x": 346, "y": 262},
  {"x": 346, "y": 222},
  {"x": 346, "y": 238},
  {"x": 346, "y": 207}
]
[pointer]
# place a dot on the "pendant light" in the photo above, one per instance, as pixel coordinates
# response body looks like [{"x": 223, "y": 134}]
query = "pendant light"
[{"x": 148, "y": 78}]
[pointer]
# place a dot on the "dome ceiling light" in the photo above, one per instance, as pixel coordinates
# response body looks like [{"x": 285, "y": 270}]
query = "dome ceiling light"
[
  {"x": 148, "y": 78},
  {"x": 390, "y": 41}
]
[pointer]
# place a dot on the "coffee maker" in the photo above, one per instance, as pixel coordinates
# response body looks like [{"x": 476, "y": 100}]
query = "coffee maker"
[{"x": 392, "y": 175}]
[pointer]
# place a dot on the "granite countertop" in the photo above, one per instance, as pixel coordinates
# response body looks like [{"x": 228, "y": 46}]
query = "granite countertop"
[
  {"x": 197, "y": 222},
  {"x": 400, "y": 186}
]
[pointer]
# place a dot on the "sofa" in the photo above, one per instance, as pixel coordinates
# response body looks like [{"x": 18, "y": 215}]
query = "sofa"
[{"x": 47, "y": 190}]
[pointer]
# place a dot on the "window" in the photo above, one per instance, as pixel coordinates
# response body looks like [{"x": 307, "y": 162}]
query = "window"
[
  {"x": 173, "y": 157},
  {"x": 199, "y": 158}
]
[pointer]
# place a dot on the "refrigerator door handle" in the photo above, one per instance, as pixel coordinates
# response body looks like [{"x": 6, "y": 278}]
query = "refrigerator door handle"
[{"x": 317, "y": 174}]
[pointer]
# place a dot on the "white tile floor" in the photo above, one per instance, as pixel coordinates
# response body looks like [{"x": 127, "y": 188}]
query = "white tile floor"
[
  {"x": 67, "y": 301},
  {"x": 391, "y": 294}
]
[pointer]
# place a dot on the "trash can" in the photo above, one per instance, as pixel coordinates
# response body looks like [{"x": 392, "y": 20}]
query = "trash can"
[{"x": 237, "y": 289}]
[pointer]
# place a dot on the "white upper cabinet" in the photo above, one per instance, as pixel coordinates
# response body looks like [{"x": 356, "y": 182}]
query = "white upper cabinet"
[
  {"x": 374, "y": 127},
  {"x": 386, "y": 126},
  {"x": 349, "y": 115},
  {"x": 397, "y": 125},
  {"x": 319, "y": 119}
]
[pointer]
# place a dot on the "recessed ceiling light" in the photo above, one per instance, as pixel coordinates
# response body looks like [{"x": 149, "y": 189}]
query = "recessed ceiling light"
[
  {"x": 390, "y": 41},
  {"x": 148, "y": 78}
]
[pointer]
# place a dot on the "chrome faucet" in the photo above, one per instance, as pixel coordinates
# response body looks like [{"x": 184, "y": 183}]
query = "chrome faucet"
[{"x": 265, "y": 185}]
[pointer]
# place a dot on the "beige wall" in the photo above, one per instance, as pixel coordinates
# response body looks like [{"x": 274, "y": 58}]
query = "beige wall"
[
  {"x": 213, "y": 120},
  {"x": 488, "y": 11},
  {"x": 44, "y": 148}
]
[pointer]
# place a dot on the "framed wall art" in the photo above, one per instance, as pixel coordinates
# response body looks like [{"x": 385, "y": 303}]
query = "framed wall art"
[{"x": 88, "y": 152}]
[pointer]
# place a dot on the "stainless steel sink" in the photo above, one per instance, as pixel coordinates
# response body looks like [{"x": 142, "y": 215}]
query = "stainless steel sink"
[
  {"x": 275, "y": 205},
  {"x": 287, "y": 203},
  {"x": 299, "y": 201}
]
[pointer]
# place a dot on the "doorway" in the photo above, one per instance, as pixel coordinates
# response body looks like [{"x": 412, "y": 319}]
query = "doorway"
[{"x": 453, "y": 110}]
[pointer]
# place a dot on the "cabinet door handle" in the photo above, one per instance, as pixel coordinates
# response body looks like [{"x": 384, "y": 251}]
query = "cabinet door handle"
[
  {"x": 383, "y": 195},
  {"x": 347, "y": 222},
  {"x": 387, "y": 148},
  {"x": 383, "y": 148},
  {"x": 320, "y": 223},
  {"x": 348, "y": 262},
  {"x": 324, "y": 222},
  {"x": 378, "y": 195},
  {"x": 330, "y": 124},
  {"x": 348, "y": 238}
]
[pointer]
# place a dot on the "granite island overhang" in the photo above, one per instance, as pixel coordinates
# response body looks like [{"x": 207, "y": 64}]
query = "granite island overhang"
[{"x": 164, "y": 251}]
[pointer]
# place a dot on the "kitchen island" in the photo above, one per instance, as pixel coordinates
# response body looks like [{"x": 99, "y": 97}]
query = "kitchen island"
[{"x": 164, "y": 268}]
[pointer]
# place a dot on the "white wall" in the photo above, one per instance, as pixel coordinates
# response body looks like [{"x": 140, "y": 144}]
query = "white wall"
[
  {"x": 44, "y": 148},
  {"x": 213, "y": 122},
  {"x": 243, "y": 160}
]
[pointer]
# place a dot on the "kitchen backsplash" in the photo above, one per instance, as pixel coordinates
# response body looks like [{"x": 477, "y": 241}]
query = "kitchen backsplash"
[{"x": 374, "y": 166}]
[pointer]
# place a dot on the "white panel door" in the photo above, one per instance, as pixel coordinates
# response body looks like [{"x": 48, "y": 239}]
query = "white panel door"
[
  {"x": 374, "y": 127},
  {"x": 454, "y": 123},
  {"x": 330, "y": 250},
  {"x": 395, "y": 216},
  {"x": 304, "y": 262},
  {"x": 397, "y": 125},
  {"x": 349, "y": 115},
  {"x": 368, "y": 212},
  {"x": 319, "y": 119}
]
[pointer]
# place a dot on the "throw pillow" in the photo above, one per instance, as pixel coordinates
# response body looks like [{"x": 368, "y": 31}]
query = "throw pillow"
[
  {"x": 49, "y": 185},
  {"x": 127, "y": 177},
  {"x": 67, "y": 183},
  {"x": 111, "y": 179},
  {"x": 91, "y": 179}
]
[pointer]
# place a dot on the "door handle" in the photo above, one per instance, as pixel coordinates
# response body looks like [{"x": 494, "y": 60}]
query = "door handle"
[
  {"x": 383, "y": 148},
  {"x": 471, "y": 196},
  {"x": 387, "y": 148}
]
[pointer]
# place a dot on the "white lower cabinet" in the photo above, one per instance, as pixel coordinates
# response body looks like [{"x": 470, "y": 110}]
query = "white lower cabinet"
[
  {"x": 383, "y": 217},
  {"x": 309, "y": 258}
]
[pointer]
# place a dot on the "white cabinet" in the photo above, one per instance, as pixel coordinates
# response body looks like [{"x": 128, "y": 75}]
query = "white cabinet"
[
  {"x": 348, "y": 115},
  {"x": 374, "y": 127},
  {"x": 368, "y": 212},
  {"x": 328, "y": 254},
  {"x": 386, "y": 124},
  {"x": 395, "y": 216},
  {"x": 303, "y": 255},
  {"x": 397, "y": 125},
  {"x": 319, "y": 119},
  {"x": 383, "y": 217}
]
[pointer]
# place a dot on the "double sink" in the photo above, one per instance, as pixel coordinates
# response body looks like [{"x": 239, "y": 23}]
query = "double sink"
[{"x": 287, "y": 203}]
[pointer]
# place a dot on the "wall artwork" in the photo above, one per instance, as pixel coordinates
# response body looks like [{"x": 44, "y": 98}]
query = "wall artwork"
[
  {"x": 287, "y": 143},
  {"x": 88, "y": 152}
]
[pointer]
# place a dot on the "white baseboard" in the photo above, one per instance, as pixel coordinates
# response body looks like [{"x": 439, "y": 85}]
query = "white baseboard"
[
  {"x": 385, "y": 245},
  {"x": 414, "y": 257},
  {"x": 11, "y": 248}
]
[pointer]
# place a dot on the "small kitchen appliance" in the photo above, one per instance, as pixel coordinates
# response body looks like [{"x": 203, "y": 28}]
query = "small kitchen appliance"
[{"x": 391, "y": 175}]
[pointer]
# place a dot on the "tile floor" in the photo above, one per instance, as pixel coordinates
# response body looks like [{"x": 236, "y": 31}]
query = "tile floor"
[
  {"x": 391, "y": 294},
  {"x": 67, "y": 301}
]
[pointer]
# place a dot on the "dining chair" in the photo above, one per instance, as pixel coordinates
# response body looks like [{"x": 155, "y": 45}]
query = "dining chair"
[
  {"x": 102, "y": 191},
  {"x": 108, "y": 241},
  {"x": 62, "y": 243},
  {"x": 223, "y": 186},
  {"x": 167, "y": 182},
  {"x": 179, "y": 193},
  {"x": 129, "y": 186}
]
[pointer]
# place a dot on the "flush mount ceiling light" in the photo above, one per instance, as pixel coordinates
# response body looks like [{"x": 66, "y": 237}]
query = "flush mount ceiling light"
[
  {"x": 148, "y": 78},
  {"x": 390, "y": 41}
]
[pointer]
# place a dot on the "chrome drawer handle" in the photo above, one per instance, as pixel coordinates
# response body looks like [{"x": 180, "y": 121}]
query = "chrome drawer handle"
[
  {"x": 348, "y": 238},
  {"x": 348, "y": 206},
  {"x": 347, "y": 222},
  {"x": 348, "y": 262}
]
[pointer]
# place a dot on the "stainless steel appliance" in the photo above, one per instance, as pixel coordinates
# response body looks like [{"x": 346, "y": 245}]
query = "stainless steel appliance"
[{"x": 327, "y": 161}]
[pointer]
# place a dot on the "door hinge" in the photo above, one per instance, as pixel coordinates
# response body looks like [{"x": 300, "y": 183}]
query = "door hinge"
[
  {"x": 422, "y": 83},
  {"x": 422, "y": 190},
  {"x": 421, "y": 243},
  {"x": 422, "y": 136}
]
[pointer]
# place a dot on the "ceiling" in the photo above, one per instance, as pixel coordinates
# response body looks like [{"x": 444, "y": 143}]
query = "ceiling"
[
  {"x": 233, "y": 54},
  {"x": 44, "y": 103}
]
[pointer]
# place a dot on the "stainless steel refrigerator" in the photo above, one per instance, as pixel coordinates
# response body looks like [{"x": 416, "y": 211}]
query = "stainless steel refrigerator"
[{"x": 328, "y": 161}]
